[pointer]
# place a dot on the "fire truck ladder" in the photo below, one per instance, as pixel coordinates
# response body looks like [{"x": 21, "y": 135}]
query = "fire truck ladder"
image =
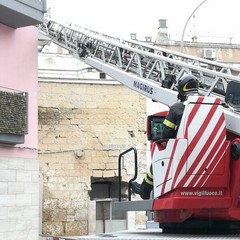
[{"x": 149, "y": 70}]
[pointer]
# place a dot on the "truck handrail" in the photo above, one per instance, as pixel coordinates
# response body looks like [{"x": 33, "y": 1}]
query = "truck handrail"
[{"x": 120, "y": 176}]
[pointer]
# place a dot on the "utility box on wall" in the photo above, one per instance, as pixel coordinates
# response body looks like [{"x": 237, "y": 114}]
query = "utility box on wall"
[
  {"x": 209, "y": 53},
  {"x": 13, "y": 117}
]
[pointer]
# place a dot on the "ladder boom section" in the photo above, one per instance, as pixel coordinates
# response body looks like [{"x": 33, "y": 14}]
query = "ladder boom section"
[
  {"x": 149, "y": 89},
  {"x": 149, "y": 70}
]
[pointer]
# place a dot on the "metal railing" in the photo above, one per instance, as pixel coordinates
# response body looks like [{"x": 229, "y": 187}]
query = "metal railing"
[{"x": 120, "y": 174}]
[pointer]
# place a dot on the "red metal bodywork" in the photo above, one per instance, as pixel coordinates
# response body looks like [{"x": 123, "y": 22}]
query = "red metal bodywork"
[{"x": 209, "y": 188}]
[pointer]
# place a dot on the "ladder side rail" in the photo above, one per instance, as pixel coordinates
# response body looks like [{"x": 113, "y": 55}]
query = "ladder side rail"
[
  {"x": 177, "y": 63},
  {"x": 132, "y": 79},
  {"x": 185, "y": 57},
  {"x": 190, "y": 58},
  {"x": 148, "y": 48},
  {"x": 156, "y": 92},
  {"x": 61, "y": 36},
  {"x": 169, "y": 60},
  {"x": 198, "y": 59},
  {"x": 147, "y": 88},
  {"x": 201, "y": 71}
]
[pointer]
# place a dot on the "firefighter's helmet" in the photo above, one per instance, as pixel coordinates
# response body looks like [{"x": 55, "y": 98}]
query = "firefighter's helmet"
[{"x": 187, "y": 85}]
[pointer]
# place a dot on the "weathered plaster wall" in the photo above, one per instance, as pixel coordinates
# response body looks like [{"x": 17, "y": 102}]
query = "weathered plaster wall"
[{"x": 96, "y": 121}]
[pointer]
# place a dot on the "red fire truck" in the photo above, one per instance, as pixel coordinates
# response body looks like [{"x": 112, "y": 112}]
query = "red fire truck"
[{"x": 197, "y": 174}]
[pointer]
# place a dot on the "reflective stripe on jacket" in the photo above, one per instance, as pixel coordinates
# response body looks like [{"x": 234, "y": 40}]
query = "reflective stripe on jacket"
[{"x": 172, "y": 121}]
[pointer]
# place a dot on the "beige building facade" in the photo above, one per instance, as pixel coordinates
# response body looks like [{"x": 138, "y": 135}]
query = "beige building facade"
[{"x": 84, "y": 125}]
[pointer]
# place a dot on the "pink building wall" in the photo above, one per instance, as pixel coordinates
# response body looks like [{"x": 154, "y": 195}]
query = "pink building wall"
[{"x": 18, "y": 70}]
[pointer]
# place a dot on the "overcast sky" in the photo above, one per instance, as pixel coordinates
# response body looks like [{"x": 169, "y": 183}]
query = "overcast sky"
[{"x": 218, "y": 18}]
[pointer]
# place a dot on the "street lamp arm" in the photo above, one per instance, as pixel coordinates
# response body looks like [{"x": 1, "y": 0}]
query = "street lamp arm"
[{"x": 188, "y": 21}]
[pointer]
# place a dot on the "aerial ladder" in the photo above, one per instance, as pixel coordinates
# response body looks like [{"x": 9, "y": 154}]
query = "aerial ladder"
[{"x": 197, "y": 176}]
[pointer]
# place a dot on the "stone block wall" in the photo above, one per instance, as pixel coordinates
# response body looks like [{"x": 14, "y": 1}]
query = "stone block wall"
[
  {"x": 82, "y": 130},
  {"x": 19, "y": 198}
]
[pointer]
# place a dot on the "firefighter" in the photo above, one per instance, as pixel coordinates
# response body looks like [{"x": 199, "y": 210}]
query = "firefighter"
[{"x": 187, "y": 85}]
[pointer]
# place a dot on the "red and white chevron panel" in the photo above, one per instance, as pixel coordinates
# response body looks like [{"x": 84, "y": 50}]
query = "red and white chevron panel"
[{"x": 198, "y": 151}]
